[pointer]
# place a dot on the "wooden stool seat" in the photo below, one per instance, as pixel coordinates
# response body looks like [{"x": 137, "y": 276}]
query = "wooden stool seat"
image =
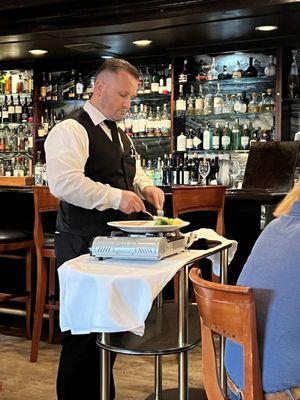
[{"x": 13, "y": 243}]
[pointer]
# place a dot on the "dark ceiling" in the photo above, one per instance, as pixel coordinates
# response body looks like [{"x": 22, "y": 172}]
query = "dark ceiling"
[{"x": 182, "y": 27}]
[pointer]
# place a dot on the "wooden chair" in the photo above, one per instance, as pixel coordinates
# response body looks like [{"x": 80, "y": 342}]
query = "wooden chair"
[
  {"x": 12, "y": 243},
  {"x": 44, "y": 202},
  {"x": 186, "y": 199},
  {"x": 228, "y": 311},
  {"x": 200, "y": 198}
]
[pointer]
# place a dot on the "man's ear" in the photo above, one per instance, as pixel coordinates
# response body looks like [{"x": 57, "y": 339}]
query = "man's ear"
[{"x": 99, "y": 85}]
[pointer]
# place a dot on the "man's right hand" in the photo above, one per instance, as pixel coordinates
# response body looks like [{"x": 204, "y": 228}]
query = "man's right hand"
[{"x": 130, "y": 202}]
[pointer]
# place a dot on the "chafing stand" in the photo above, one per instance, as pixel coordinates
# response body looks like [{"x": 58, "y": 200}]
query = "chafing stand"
[{"x": 157, "y": 323}]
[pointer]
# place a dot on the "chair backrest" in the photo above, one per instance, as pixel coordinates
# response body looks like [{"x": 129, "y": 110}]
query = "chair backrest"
[
  {"x": 228, "y": 311},
  {"x": 44, "y": 202},
  {"x": 200, "y": 198}
]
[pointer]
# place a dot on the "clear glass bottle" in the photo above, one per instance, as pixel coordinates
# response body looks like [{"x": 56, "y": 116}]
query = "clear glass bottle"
[
  {"x": 228, "y": 105},
  {"x": 183, "y": 77},
  {"x": 212, "y": 73},
  {"x": 147, "y": 81},
  {"x": 293, "y": 78},
  {"x": 202, "y": 76},
  {"x": 207, "y": 138},
  {"x": 181, "y": 142},
  {"x": 236, "y": 136},
  {"x": 216, "y": 137},
  {"x": 237, "y": 72},
  {"x": 199, "y": 102},
  {"x": 270, "y": 69},
  {"x": 208, "y": 102},
  {"x": 38, "y": 170},
  {"x": 245, "y": 137},
  {"x": 240, "y": 106},
  {"x": 165, "y": 121},
  {"x": 191, "y": 102},
  {"x": 254, "y": 106},
  {"x": 218, "y": 100},
  {"x": 180, "y": 106},
  {"x": 269, "y": 103}
]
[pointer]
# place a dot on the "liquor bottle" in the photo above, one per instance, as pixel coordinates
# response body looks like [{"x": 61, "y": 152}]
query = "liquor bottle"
[
  {"x": 293, "y": 78},
  {"x": 254, "y": 106},
  {"x": 175, "y": 171},
  {"x": 208, "y": 102},
  {"x": 165, "y": 122},
  {"x": 157, "y": 122},
  {"x": 43, "y": 88},
  {"x": 190, "y": 141},
  {"x": 212, "y": 73},
  {"x": 228, "y": 105},
  {"x": 2, "y": 83},
  {"x": 5, "y": 117},
  {"x": 216, "y": 137},
  {"x": 191, "y": 102},
  {"x": 202, "y": 76},
  {"x": 183, "y": 77},
  {"x": 218, "y": 100},
  {"x": 30, "y": 111},
  {"x": 264, "y": 136},
  {"x": 79, "y": 87},
  {"x": 251, "y": 71},
  {"x": 237, "y": 72},
  {"x": 226, "y": 137},
  {"x": 18, "y": 111},
  {"x": 60, "y": 92},
  {"x": 71, "y": 85},
  {"x": 162, "y": 84},
  {"x": 225, "y": 74},
  {"x": 158, "y": 175},
  {"x": 199, "y": 102},
  {"x": 185, "y": 171},
  {"x": 239, "y": 105},
  {"x": 8, "y": 83},
  {"x": 198, "y": 140},
  {"x": 180, "y": 105},
  {"x": 236, "y": 136},
  {"x": 181, "y": 142},
  {"x": 245, "y": 138},
  {"x": 49, "y": 87},
  {"x": 142, "y": 122},
  {"x": 270, "y": 69},
  {"x": 193, "y": 172},
  {"x": 207, "y": 138},
  {"x": 55, "y": 89},
  {"x": 11, "y": 110},
  {"x": 155, "y": 81},
  {"x": 150, "y": 123},
  {"x": 147, "y": 82},
  {"x": 169, "y": 80},
  {"x": 269, "y": 103},
  {"x": 20, "y": 85},
  {"x": 254, "y": 138},
  {"x": 38, "y": 170}
]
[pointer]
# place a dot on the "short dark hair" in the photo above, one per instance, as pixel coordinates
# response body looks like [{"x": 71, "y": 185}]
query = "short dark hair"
[{"x": 118, "y": 64}]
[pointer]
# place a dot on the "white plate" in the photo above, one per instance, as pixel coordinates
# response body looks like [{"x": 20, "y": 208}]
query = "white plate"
[{"x": 145, "y": 226}]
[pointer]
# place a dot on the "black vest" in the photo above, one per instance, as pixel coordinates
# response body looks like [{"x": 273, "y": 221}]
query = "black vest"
[{"x": 107, "y": 164}]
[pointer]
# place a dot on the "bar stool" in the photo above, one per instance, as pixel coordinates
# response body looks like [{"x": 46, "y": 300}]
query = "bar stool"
[
  {"x": 12, "y": 241},
  {"x": 187, "y": 199},
  {"x": 44, "y": 202}
]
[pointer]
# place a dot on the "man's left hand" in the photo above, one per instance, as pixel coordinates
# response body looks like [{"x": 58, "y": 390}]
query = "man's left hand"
[{"x": 154, "y": 196}]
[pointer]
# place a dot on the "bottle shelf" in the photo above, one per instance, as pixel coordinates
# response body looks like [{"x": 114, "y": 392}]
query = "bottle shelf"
[
  {"x": 22, "y": 94},
  {"x": 229, "y": 82},
  {"x": 151, "y": 97},
  {"x": 213, "y": 151},
  {"x": 151, "y": 137},
  {"x": 60, "y": 103},
  {"x": 226, "y": 116},
  {"x": 16, "y": 123}
]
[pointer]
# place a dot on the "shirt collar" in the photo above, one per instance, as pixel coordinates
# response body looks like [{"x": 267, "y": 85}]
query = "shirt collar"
[
  {"x": 295, "y": 208},
  {"x": 96, "y": 116}
]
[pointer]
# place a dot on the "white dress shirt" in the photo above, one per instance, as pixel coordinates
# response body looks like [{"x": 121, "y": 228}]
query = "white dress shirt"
[{"x": 67, "y": 151}]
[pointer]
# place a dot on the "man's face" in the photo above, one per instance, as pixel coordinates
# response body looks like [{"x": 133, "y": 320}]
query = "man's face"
[{"x": 113, "y": 92}]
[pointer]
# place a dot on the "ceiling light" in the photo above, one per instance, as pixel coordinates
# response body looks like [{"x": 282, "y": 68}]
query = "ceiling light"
[
  {"x": 144, "y": 42},
  {"x": 106, "y": 57},
  {"x": 38, "y": 52},
  {"x": 266, "y": 28}
]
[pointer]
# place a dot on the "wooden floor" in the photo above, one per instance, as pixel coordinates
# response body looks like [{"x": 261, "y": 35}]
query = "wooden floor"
[{"x": 23, "y": 380}]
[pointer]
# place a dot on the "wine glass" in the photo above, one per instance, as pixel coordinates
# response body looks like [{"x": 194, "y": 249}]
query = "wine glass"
[
  {"x": 203, "y": 169},
  {"x": 234, "y": 171}
]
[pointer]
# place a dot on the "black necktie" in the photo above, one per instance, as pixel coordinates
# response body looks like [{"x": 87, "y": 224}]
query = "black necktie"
[{"x": 114, "y": 132}]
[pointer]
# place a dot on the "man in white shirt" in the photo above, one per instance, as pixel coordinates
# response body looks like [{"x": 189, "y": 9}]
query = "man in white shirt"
[{"x": 91, "y": 169}]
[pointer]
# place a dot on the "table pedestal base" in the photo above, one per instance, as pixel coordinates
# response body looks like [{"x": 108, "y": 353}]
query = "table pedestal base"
[{"x": 172, "y": 394}]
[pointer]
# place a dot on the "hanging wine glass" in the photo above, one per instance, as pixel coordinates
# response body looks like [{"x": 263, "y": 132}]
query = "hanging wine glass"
[
  {"x": 293, "y": 79},
  {"x": 234, "y": 171}
]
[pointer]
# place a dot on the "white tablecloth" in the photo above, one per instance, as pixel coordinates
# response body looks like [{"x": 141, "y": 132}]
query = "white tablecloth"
[{"x": 116, "y": 295}]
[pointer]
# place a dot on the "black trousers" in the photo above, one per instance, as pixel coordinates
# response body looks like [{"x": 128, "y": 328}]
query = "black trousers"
[{"x": 78, "y": 375}]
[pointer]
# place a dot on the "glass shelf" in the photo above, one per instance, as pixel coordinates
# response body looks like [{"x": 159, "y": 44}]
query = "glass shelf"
[
  {"x": 229, "y": 82},
  {"x": 16, "y": 94},
  {"x": 214, "y": 151},
  {"x": 151, "y": 97},
  {"x": 226, "y": 116},
  {"x": 9, "y": 154},
  {"x": 16, "y": 123},
  {"x": 60, "y": 103},
  {"x": 150, "y": 137}
]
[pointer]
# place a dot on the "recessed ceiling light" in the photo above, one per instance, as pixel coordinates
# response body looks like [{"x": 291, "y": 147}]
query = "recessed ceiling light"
[
  {"x": 266, "y": 28},
  {"x": 144, "y": 42},
  {"x": 38, "y": 52},
  {"x": 106, "y": 57}
]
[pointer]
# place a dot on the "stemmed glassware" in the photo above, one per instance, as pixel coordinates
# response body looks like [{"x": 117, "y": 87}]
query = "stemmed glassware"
[
  {"x": 293, "y": 79},
  {"x": 234, "y": 171},
  {"x": 204, "y": 169}
]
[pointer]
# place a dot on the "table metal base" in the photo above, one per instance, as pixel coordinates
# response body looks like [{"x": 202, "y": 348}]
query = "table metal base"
[{"x": 172, "y": 394}]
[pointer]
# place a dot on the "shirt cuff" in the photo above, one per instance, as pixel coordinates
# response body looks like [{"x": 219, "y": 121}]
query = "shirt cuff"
[{"x": 113, "y": 199}]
